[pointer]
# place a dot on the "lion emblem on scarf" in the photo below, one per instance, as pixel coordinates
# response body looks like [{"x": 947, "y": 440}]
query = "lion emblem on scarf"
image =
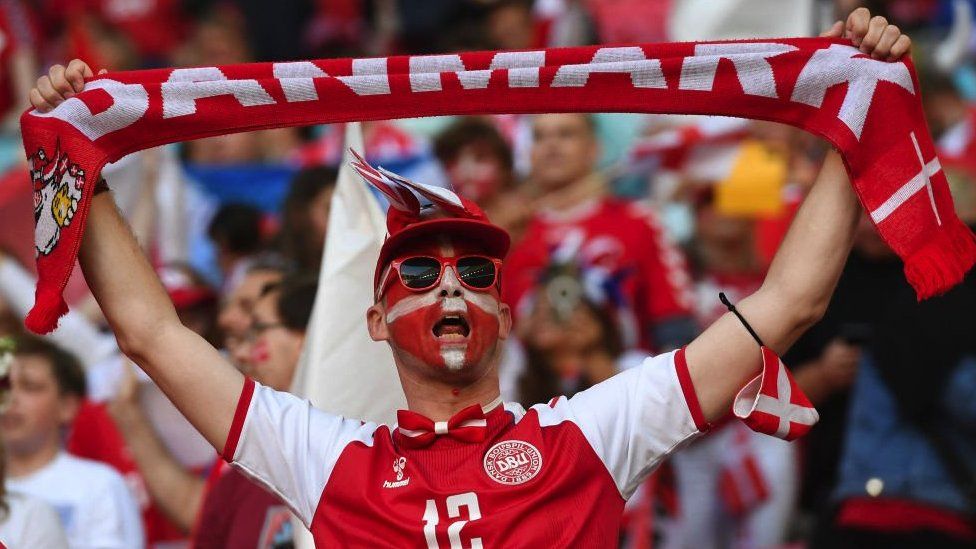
[{"x": 57, "y": 184}]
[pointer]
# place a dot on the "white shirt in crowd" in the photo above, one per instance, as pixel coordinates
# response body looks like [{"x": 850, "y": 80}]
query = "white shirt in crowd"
[
  {"x": 95, "y": 506},
  {"x": 31, "y": 523}
]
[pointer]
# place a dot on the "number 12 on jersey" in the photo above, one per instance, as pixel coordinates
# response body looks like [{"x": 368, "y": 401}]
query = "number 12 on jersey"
[{"x": 454, "y": 505}]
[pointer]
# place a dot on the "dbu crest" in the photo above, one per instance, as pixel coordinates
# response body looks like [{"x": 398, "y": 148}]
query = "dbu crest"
[{"x": 57, "y": 184}]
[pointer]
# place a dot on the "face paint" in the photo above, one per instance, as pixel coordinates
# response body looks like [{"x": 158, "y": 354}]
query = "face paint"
[{"x": 448, "y": 326}]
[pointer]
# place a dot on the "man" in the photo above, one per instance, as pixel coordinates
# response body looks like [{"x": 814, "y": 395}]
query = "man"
[
  {"x": 236, "y": 512},
  {"x": 576, "y": 217},
  {"x": 95, "y": 506},
  {"x": 460, "y": 469}
]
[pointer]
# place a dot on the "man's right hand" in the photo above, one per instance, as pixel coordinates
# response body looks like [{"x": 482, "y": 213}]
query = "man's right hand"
[{"x": 60, "y": 83}]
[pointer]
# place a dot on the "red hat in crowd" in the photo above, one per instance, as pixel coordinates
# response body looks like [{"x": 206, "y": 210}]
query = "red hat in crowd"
[
  {"x": 183, "y": 290},
  {"x": 447, "y": 214}
]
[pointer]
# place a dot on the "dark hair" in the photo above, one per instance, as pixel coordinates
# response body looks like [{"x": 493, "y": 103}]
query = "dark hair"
[
  {"x": 296, "y": 298},
  {"x": 237, "y": 227},
  {"x": 68, "y": 373},
  {"x": 472, "y": 131},
  {"x": 294, "y": 240}
]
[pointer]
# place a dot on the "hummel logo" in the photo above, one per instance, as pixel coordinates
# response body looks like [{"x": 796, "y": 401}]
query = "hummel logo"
[{"x": 399, "y": 465}]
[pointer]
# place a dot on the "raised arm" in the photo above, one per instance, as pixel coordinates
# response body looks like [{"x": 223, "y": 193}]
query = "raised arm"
[
  {"x": 202, "y": 385},
  {"x": 189, "y": 370},
  {"x": 807, "y": 265}
]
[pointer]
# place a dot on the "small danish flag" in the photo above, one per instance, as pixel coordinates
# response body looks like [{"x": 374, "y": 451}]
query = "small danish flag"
[{"x": 773, "y": 403}]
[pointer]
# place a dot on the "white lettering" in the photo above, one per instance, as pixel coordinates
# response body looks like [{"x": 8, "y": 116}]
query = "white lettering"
[
  {"x": 425, "y": 72},
  {"x": 644, "y": 72},
  {"x": 838, "y": 65},
  {"x": 396, "y": 484},
  {"x": 750, "y": 62},
  {"x": 129, "y": 103},
  {"x": 369, "y": 77},
  {"x": 297, "y": 80},
  {"x": 523, "y": 67},
  {"x": 185, "y": 86}
]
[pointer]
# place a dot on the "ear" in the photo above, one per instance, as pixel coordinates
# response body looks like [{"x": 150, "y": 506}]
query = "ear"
[
  {"x": 504, "y": 321},
  {"x": 376, "y": 322},
  {"x": 69, "y": 405}
]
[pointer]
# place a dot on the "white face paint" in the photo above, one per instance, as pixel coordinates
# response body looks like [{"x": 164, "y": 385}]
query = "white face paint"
[{"x": 454, "y": 357}]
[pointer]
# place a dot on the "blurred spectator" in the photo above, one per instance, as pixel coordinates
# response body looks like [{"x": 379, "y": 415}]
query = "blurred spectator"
[
  {"x": 511, "y": 26},
  {"x": 237, "y": 512},
  {"x": 18, "y": 60},
  {"x": 217, "y": 39},
  {"x": 913, "y": 397},
  {"x": 25, "y": 521},
  {"x": 108, "y": 47},
  {"x": 305, "y": 217},
  {"x": 236, "y": 233},
  {"x": 570, "y": 335},
  {"x": 48, "y": 386},
  {"x": 478, "y": 162},
  {"x": 576, "y": 215},
  {"x": 234, "y": 319}
]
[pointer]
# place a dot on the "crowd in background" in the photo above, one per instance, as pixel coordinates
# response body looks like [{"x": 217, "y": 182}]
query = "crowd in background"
[{"x": 625, "y": 228}]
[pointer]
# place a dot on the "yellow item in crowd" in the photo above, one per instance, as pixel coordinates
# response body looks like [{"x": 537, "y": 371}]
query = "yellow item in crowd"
[{"x": 755, "y": 184}]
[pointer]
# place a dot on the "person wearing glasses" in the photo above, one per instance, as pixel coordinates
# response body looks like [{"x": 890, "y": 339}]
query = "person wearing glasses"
[
  {"x": 235, "y": 511},
  {"x": 460, "y": 468}
]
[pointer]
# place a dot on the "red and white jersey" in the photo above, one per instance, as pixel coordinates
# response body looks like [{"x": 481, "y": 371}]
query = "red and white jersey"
[
  {"x": 619, "y": 237},
  {"x": 556, "y": 475}
]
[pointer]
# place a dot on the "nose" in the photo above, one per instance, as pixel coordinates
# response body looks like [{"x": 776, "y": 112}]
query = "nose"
[{"x": 450, "y": 285}]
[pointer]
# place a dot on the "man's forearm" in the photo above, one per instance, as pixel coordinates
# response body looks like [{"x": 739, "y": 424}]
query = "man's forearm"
[
  {"x": 808, "y": 264},
  {"x": 794, "y": 295}
]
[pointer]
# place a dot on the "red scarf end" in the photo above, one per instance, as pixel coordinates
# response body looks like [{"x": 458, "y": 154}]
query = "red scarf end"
[
  {"x": 48, "y": 308},
  {"x": 943, "y": 262}
]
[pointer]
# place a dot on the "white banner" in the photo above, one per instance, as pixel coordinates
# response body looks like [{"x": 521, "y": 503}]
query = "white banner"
[{"x": 341, "y": 369}]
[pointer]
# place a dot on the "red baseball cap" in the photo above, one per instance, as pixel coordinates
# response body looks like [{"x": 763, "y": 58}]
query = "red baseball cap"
[
  {"x": 478, "y": 230},
  {"x": 447, "y": 215}
]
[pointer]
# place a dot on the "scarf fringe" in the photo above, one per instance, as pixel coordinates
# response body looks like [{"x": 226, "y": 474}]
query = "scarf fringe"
[
  {"x": 48, "y": 308},
  {"x": 943, "y": 262}
]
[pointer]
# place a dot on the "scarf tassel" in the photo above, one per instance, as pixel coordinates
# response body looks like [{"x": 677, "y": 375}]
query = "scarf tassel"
[
  {"x": 49, "y": 306},
  {"x": 943, "y": 261}
]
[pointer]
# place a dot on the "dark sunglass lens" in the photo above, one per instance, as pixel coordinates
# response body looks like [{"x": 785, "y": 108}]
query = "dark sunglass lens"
[
  {"x": 477, "y": 272},
  {"x": 419, "y": 272}
]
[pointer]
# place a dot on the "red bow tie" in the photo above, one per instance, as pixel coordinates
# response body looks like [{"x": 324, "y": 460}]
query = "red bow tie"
[{"x": 468, "y": 425}]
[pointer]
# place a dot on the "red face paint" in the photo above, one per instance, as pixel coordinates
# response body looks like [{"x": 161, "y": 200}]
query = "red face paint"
[
  {"x": 448, "y": 326},
  {"x": 260, "y": 352}
]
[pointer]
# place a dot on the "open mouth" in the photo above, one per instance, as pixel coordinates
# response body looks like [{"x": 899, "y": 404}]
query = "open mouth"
[{"x": 452, "y": 327}]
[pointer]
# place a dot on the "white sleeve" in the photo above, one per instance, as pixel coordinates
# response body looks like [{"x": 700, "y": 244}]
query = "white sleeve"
[
  {"x": 289, "y": 447},
  {"x": 634, "y": 419}
]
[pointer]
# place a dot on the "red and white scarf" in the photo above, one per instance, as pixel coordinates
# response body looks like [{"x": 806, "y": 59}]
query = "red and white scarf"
[{"x": 869, "y": 110}]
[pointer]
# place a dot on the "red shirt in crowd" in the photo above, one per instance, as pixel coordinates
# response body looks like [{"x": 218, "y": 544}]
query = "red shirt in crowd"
[
  {"x": 238, "y": 513},
  {"x": 622, "y": 238}
]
